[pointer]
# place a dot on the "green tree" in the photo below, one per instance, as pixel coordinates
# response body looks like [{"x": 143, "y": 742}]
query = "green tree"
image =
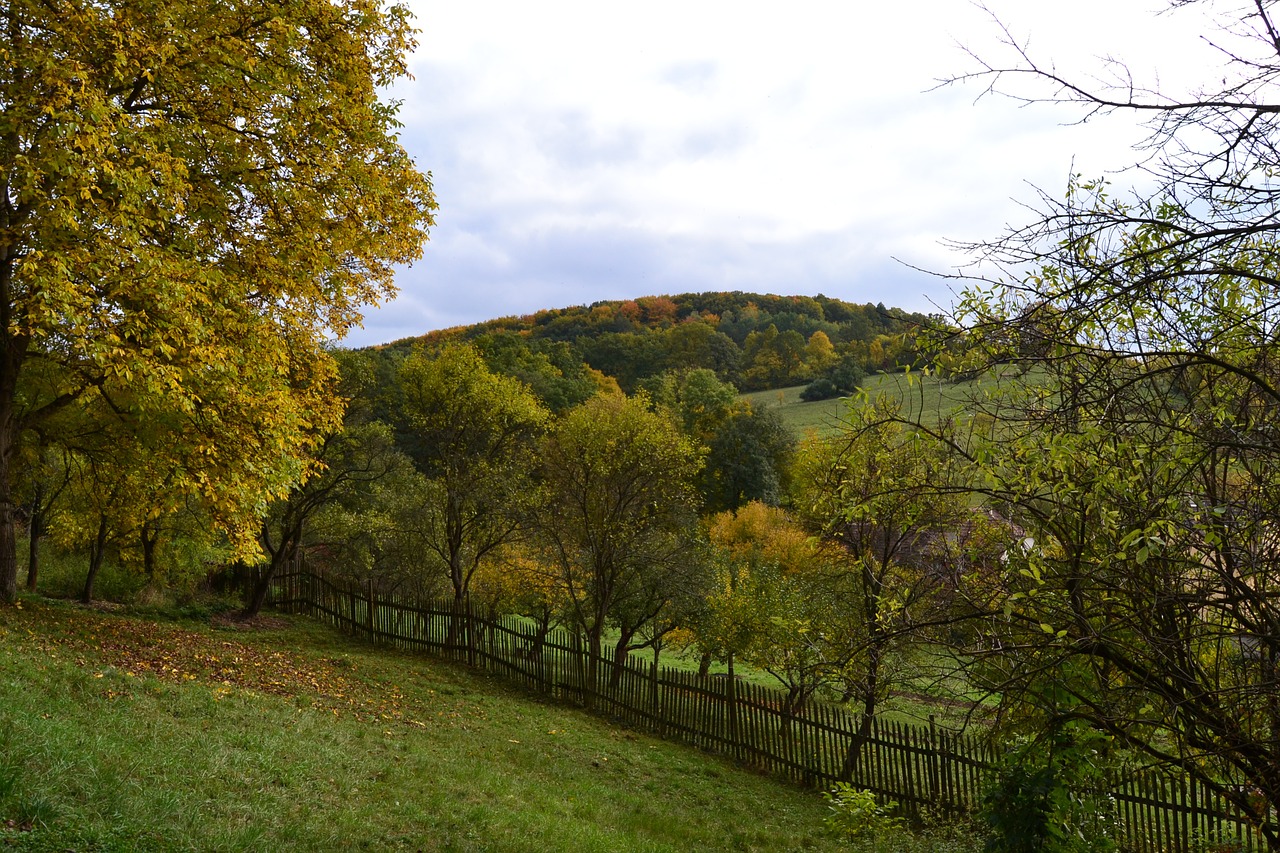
[
  {"x": 618, "y": 515},
  {"x": 195, "y": 195},
  {"x": 352, "y": 462},
  {"x": 1139, "y": 452},
  {"x": 551, "y": 369},
  {"x": 476, "y": 431},
  {"x": 750, "y": 459},
  {"x": 890, "y": 498},
  {"x": 748, "y": 451}
]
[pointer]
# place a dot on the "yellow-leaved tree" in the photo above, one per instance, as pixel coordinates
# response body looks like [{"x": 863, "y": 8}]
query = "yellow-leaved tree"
[{"x": 194, "y": 194}]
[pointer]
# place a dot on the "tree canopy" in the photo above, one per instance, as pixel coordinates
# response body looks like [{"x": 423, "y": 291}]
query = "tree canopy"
[
  {"x": 195, "y": 194},
  {"x": 1141, "y": 458},
  {"x": 618, "y": 512}
]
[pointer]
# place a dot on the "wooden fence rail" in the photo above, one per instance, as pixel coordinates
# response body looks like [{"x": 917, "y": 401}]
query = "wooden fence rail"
[{"x": 922, "y": 767}]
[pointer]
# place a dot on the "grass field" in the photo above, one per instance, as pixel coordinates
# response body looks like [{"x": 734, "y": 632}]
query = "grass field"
[
  {"x": 927, "y": 398},
  {"x": 123, "y": 733}
]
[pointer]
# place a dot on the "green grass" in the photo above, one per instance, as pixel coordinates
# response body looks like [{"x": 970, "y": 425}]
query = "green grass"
[
  {"x": 926, "y": 398},
  {"x": 118, "y": 733},
  {"x": 800, "y": 417}
]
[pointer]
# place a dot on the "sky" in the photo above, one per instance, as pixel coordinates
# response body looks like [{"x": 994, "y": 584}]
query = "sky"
[{"x": 583, "y": 151}]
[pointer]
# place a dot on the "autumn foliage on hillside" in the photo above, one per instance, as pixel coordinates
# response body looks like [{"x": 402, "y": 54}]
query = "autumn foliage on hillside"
[{"x": 754, "y": 341}]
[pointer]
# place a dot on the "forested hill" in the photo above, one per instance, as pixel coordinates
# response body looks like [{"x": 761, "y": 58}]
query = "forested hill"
[{"x": 751, "y": 340}]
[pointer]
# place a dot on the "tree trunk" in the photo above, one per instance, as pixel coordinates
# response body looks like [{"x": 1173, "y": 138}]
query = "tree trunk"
[
  {"x": 860, "y": 739},
  {"x": 262, "y": 585},
  {"x": 731, "y": 702},
  {"x": 8, "y": 519},
  {"x": 621, "y": 654},
  {"x": 96, "y": 552},
  {"x": 149, "y": 538},
  {"x": 456, "y": 637},
  {"x": 34, "y": 531},
  {"x": 13, "y": 349},
  {"x": 290, "y": 541},
  {"x": 593, "y": 663}
]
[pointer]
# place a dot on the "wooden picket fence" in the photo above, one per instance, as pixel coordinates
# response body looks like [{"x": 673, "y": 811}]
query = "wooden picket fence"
[{"x": 925, "y": 769}]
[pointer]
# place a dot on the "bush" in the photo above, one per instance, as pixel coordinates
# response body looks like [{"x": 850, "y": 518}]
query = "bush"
[
  {"x": 855, "y": 813},
  {"x": 840, "y": 381},
  {"x": 821, "y": 388},
  {"x": 1045, "y": 798}
]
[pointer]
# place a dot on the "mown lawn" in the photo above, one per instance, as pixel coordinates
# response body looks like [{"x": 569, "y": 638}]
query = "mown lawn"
[{"x": 127, "y": 733}]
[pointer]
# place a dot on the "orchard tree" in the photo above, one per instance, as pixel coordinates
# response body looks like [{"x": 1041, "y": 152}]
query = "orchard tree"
[
  {"x": 890, "y": 498},
  {"x": 193, "y": 196},
  {"x": 351, "y": 464},
  {"x": 1143, "y": 461},
  {"x": 774, "y": 602},
  {"x": 475, "y": 431},
  {"x": 618, "y": 514}
]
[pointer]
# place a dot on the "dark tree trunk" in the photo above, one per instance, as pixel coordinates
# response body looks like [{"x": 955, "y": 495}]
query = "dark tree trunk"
[
  {"x": 13, "y": 349},
  {"x": 8, "y": 544},
  {"x": 594, "y": 653},
  {"x": 35, "y": 531},
  {"x": 149, "y": 538},
  {"x": 262, "y": 586},
  {"x": 8, "y": 518},
  {"x": 456, "y": 637},
  {"x": 862, "y": 736},
  {"x": 621, "y": 653},
  {"x": 96, "y": 552},
  {"x": 290, "y": 544}
]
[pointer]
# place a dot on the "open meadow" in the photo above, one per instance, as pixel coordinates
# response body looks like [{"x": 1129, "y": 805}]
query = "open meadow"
[
  {"x": 126, "y": 733},
  {"x": 928, "y": 398}
]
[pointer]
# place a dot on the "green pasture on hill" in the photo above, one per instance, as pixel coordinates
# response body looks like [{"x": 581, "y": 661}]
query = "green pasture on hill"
[{"x": 928, "y": 398}]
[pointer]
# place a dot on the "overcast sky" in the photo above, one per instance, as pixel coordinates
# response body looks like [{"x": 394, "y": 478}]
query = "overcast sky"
[{"x": 599, "y": 150}]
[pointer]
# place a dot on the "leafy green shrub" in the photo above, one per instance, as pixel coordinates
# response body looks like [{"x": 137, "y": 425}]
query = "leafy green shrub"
[
  {"x": 821, "y": 388},
  {"x": 1047, "y": 799},
  {"x": 855, "y": 813},
  {"x": 840, "y": 381}
]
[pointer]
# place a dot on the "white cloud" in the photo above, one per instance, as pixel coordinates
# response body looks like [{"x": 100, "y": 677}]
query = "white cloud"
[{"x": 586, "y": 150}]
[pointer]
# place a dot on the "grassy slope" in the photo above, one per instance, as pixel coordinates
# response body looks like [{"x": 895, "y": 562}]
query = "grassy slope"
[
  {"x": 118, "y": 733},
  {"x": 926, "y": 397}
]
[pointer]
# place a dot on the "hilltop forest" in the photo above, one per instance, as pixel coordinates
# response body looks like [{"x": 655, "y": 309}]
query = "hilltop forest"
[{"x": 751, "y": 341}]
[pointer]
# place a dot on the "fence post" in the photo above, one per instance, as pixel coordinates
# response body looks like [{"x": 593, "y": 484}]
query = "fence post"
[
  {"x": 470, "y": 632},
  {"x": 373, "y": 635},
  {"x": 655, "y": 710},
  {"x": 934, "y": 781}
]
